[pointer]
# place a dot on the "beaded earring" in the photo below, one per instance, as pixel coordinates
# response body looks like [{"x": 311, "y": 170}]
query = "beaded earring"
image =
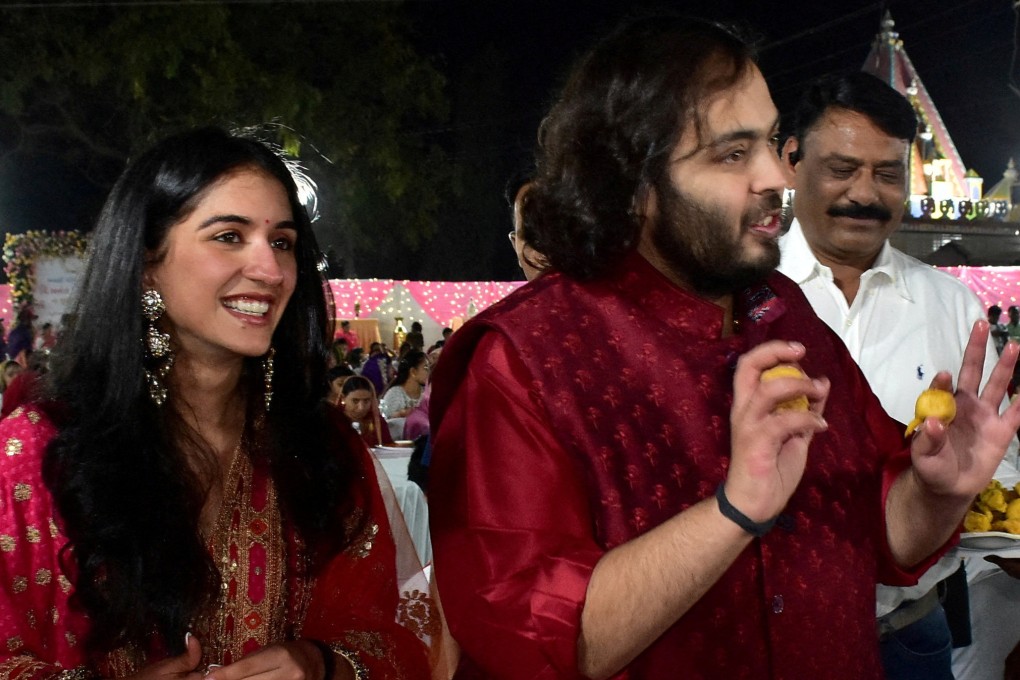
[{"x": 158, "y": 353}]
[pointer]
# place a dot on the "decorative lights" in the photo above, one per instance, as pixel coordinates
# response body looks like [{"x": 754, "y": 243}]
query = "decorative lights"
[{"x": 22, "y": 250}]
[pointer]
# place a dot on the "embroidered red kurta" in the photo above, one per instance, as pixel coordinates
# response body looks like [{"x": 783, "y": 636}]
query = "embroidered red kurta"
[
  {"x": 266, "y": 596},
  {"x": 572, "y": 417}
]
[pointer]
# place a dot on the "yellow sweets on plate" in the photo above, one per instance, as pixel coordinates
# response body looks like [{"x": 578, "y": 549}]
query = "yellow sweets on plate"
[
  {"x": 996, "y": 508},
  {"x": 932, "y": 402},
  {"x": 787, "y": 371}
]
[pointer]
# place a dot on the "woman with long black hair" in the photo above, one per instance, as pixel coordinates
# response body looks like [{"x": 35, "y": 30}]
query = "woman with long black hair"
[
  {"x": 184, "y": 502},
  {"x": 405, "y": 390}
]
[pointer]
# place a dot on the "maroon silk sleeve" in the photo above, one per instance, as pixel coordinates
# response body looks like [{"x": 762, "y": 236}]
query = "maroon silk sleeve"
[{"x": 511, "y": 526}]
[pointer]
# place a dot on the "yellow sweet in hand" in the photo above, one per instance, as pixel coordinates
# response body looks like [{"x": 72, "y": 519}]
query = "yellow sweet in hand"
[
  {"x": 977, "y": 521},
  {"x": 787, "y": 371},
  {"x": 937, "y": 403}
]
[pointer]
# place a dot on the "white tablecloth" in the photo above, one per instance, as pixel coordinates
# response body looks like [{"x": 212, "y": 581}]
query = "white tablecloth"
[
  {"x": 994, "y": 608},
  {"x": 409, "y": 496}
]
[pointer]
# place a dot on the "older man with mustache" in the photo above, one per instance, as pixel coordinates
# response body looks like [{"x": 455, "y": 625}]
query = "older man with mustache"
[{"x": 901, "y": 319}]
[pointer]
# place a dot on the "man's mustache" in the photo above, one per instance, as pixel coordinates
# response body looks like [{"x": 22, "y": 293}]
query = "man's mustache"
[{"x": 860, "y": 212}]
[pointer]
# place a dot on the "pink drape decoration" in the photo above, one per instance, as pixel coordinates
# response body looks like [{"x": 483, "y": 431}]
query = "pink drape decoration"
[
  {"x": 369, "y": 293},
  {"x": 5, "y": 306},
  {"x": 441, "y": 300},
  {"x": 444, "y": 300},
  {"x": 994, "y": 285}
]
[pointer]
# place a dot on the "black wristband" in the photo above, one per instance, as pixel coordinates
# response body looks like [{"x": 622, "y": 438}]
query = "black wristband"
[{"x": 757, "y": 529}]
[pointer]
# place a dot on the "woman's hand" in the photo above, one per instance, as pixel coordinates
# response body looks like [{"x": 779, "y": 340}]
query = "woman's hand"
[
  {"x": 297, "y": 660},
  {"x": 183, "y": 667}
]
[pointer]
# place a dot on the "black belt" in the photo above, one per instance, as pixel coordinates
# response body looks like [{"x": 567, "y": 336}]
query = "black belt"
[{"x": 907, "y": 614}]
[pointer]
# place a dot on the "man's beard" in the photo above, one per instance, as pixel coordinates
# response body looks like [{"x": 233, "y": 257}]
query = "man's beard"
[{"x": 697, "y": 242}]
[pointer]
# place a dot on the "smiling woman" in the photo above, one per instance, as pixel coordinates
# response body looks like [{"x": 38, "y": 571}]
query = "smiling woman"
[{"x": 185, "y": 502}]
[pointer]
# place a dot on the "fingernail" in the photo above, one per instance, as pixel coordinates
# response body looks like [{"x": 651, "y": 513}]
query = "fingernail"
[
  {"x": 796, "y": 345},
  {"x": 187, "y": 638},
  {"x": 211, "y": 667}
]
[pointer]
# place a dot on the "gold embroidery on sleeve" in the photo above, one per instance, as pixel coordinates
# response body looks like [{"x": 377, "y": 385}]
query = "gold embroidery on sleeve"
[
  {"x": 65, "y": 585},
  {"x": 71, "y": 638},
  {"x": 367, "y": 641},
  {"x": 54, "y": 531},
  {"x": 43, "y": 577},
  {"x": 22, "y": 492},
  {"x": 363, "y": 546},
  {"x": 6, "y": 543},
  {"x": 17, "y": 412},
  {"x": 14, "y": 643},
  {"x": 19, "y": 584},
  {"x": 30, "y": 617},
  {"x": 12, "y": 447},
  {"x": 32, "y": 534},
  {"x": 22, "y": 667},
  {"x": 34, "y": 417},
  {"x": 79, "y": 673}
]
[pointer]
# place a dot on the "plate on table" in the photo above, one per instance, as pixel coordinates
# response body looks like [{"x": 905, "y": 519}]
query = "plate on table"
[
  {"x": 989, "y": 540},
  {"x": 391, "y": 451}
]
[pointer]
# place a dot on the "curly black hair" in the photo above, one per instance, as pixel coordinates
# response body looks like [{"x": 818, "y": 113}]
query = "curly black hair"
[{"x": 611, "y": 132}]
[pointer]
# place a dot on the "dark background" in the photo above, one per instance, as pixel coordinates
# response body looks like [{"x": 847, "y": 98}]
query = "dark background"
[{"x": 503, "y": 62}]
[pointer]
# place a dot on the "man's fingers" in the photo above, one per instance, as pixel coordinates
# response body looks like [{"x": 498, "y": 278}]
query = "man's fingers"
[
  {"x": 974, "y": 358},
  {"x": 788, "y": 394},
  {"x": 766, "y": 355},
  {"x": 943, "y": 380},
  {"x": 929, "y": 438}
]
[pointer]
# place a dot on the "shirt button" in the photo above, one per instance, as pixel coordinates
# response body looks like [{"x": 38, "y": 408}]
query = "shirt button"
[{"x": 777, "y": 604}]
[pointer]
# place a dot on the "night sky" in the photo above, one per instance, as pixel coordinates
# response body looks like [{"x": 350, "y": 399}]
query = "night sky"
[
  {"x": 504, "y": 60},
  {"x": 962, "y": 50}
]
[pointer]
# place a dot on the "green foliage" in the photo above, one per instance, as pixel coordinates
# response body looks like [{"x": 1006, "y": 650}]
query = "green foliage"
[{"x": 341, "y": 84}]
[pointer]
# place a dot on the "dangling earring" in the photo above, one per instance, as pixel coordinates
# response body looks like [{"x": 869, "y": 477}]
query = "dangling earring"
[
  {"x": 157, "y": 347},
  {"x": 267, "y": 376}
]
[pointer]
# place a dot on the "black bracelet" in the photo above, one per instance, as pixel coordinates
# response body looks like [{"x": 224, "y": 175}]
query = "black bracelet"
[{"x": 757, "y": 529}]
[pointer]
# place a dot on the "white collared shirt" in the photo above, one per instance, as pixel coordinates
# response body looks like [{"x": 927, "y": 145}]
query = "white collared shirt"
[{"x": 907, "y": 322}]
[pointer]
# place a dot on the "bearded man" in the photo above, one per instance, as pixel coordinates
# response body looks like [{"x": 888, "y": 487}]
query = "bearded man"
[{"x": 616, "y": 492}]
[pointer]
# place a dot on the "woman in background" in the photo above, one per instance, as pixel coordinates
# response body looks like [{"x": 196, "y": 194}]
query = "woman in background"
[
  {"x": 405, "y": 391},
  {"x": 362, "y": 408}
]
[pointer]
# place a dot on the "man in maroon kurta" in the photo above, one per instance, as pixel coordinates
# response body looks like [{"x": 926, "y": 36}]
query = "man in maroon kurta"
[{"x": 614, "y": 490}]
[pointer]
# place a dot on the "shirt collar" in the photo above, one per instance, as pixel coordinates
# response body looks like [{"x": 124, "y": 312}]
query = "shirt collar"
[
  {"x": 801, "y": 265},
  {"x": 638, "y": 279}
]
